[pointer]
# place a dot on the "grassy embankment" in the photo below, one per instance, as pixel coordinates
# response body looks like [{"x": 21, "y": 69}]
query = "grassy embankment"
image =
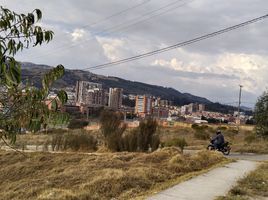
[
  {"x": 97, "y": 176},
  {"x": 254, "y": 186}
]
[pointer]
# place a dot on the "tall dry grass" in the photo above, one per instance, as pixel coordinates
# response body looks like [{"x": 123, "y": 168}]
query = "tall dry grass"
[{"x": 97, "y": 176}]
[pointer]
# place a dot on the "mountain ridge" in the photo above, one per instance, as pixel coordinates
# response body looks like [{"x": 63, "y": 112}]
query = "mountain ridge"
[{"x": 33, "y": 72}]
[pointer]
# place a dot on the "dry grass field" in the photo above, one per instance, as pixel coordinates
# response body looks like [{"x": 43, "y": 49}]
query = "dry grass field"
[
  {"x": 243, "y": 141},
  {"x": 197, "y": 139},
  {"x": 72, "y": 176}
]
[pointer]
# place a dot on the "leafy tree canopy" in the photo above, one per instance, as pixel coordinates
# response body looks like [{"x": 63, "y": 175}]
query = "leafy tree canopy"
[
  {"x": 261, "y": 115},
  {"x": 23, "y": 107}
]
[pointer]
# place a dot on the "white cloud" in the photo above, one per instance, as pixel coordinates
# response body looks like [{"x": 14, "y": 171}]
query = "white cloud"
[
  {"x": 111, "y": 47},
  {"x": 77, "y": 34},
  {"x": 209, "y": 68},
  {"x": 250, "y": 69}
]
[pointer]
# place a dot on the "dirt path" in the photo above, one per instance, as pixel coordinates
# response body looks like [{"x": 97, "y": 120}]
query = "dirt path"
[{"x": 208, "y": 186}]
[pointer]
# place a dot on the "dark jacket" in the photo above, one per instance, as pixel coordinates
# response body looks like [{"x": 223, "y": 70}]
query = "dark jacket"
[{"x": 218, "y": 139}]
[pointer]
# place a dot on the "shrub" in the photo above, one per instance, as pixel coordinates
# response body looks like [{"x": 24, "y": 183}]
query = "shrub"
[
  {"x": 142, "y": 137},
  {"x": 201, "y": 135},
  {"x": 74, "y": 141},
  {"x": 139, "y": 139},
  {"x": 57, "y": 142},
  {"x": 231, "y": 132},
  {"x": 195, "y": 126},
  {"x": 130, "y": 140},
  {"x": 112, "y": 129},
  {"x": 77, "y": 124},
  {"x": 222, "y": 128},
  {"x": 250, "y": 138},
  {"x": 147, "y": 135},
  {"x": 238, "y": 191},
  {"x": 199, "y": 127},
  {"x": 114, "y": 141},
  {"x": 201, "y": 131},
  {"x": 79, "y": 141},
  {"x": 54, "y": 131},
  {"x": 177, "y": 142}
]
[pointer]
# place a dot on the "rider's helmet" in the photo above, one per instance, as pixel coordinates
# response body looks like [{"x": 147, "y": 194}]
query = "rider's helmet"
[{"x": 218, "y": 131}]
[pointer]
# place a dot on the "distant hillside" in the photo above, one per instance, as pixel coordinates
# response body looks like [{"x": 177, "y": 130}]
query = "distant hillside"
[{"x": 33, "y": 72}]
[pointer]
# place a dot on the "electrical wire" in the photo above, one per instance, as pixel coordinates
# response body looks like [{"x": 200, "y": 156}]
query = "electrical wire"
[
  {"x": 122, "y": 26},
  {"x": 175, "y": 46}
]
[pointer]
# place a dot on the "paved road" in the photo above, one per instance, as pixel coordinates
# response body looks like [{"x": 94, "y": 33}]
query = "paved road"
[
  {"x": 248, "y": 156},
  {"x": 208, "y": 186},
  {"x": 239, "y": 156}
]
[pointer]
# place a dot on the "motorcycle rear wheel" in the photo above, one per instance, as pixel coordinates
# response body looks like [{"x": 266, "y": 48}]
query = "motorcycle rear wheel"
[{"x": 226, "y": 151}]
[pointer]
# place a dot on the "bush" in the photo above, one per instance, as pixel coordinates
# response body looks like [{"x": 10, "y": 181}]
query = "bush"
[
  {"x": 57, "y": 142},
  {"x": 222, "y": 128},
  {"x": 195, "y": 126},
  {"x": 53, "y": 131},
  {"x": 201, "y": 135},
  {"x": 80, "y": 141},
  {"x": 199, "y": 127},
  {"x": 142, "y": 137},
  {"x": 130, "y": 140},
  {"x": 112, "y": 129},
  {"x": 201, "y": 131},
  {"x": 77, "y": 124},
  {"x": 139, "y": 139},
  {"x": 74, "y": 141},
  {"x": 231, "y": 132},
  {"x": 250, "y": 138},
  {"x": 177, "y": 142},
  {"x": 147, "y": 135},
  {"x": 114, "y": 141}
]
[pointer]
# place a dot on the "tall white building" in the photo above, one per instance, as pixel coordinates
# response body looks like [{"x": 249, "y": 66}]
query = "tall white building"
[
  {"x": 88, "y": 93},
  {"x": 115, "y": 98}
]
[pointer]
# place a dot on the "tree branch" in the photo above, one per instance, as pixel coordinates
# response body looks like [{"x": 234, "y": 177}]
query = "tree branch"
[{"x": 16, "y": 150}]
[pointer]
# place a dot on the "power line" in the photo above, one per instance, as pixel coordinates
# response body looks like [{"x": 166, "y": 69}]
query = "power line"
[
  {"x": 117, "y": 14},
  {"x": 181, "y": 44},
  {"x": 124, "y": 25},
  {"x": 114, "y": 15},
  {"x": 158, "y": 14}
]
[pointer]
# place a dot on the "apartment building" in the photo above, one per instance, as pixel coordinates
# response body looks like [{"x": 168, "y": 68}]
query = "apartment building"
[
  {"x": 89, "y": 94},
  {"x": 143, "y": 105},
  {"x": 115, "y": 98}
]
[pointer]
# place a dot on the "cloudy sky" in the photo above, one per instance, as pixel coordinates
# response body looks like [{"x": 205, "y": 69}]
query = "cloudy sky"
[{"x": 88, "y": 33}]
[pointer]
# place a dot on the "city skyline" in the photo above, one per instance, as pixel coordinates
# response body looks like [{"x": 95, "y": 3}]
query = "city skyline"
[{"x": 213, "y": 68}]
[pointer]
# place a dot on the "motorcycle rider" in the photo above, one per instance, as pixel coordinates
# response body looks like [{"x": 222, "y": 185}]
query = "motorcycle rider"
[{"x": 218, "y": 140}]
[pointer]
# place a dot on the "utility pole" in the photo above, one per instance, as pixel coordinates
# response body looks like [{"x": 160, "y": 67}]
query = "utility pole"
[{"x": 239, "y": 104}]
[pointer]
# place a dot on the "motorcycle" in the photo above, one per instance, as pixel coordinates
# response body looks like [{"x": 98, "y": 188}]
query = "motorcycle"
[{"x": 225, "y": 148}]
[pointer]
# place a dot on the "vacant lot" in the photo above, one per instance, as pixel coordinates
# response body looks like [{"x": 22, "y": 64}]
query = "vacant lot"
[
  {"x": 96, "y": 176},
  {"x": 254, "y": 186},
  {"x": 196, "y": 138}
]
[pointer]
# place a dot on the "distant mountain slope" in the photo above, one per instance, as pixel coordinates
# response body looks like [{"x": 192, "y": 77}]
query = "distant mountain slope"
[{"x": 32, "y": 72}]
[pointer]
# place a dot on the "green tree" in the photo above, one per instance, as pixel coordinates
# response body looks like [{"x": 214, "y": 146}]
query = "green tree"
[
  {"x": 261, "y": 115},
  {"x": 21, "y": 105}
]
